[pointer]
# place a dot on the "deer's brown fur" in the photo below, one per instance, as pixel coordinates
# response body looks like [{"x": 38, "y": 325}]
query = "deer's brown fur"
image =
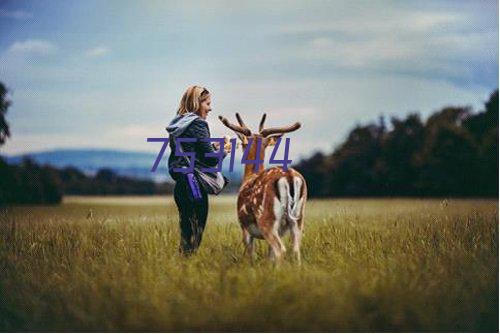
[{"x": 271, "y": 201}]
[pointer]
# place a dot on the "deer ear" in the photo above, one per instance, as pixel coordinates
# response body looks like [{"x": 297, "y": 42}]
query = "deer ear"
[{"x": 271, "y": 140}]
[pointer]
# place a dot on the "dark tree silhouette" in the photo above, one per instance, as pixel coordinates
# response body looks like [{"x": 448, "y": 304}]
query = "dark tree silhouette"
[
  {"x": 4, "y": 105},
  {"x": 484, "y": 129},
  {"x": 353, "y": 172},
  {"x": 314, "y": 170},
  {"x": 455, "y": 153},
  {"x": 448, "y": 158},
  {"x": 396, "y": 167}
]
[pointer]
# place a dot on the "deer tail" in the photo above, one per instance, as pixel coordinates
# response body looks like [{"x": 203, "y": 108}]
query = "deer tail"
[{"x": 290, "y": 196}]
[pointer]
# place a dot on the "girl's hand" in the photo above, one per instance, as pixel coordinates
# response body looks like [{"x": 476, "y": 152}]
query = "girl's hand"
[{"x": 227, "y": 144}]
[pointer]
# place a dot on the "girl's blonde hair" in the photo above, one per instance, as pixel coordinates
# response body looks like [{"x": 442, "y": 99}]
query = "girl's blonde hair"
[{"x": 191, "y": 99}]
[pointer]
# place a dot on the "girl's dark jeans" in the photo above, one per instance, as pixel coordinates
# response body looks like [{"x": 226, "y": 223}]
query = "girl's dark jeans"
[{"x": 192, "y": 215}]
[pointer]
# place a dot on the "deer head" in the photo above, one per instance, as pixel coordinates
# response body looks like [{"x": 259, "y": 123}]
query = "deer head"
[{"x": 265, "y": 137}]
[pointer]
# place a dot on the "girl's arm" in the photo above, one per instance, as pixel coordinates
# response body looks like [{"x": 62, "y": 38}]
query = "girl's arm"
[{"x": 199, "y": 129}]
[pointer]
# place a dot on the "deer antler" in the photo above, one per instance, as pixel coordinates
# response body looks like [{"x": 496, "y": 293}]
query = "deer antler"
[
  {"x": 281, "y": 129},
  {"x": 261, "y": 124},
  {"x": 241, "y": 129},
  {"x": 240, "y": 121}
]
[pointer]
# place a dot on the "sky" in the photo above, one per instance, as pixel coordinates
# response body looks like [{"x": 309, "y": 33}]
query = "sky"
[{"x": 109, "y": 74}]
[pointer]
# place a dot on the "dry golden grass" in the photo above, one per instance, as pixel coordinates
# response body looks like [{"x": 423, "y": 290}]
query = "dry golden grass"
[{"x": 369, "y": 265}]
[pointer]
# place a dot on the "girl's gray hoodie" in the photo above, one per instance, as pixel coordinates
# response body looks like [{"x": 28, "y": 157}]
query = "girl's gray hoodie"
[{"x": 190, "y": 125}]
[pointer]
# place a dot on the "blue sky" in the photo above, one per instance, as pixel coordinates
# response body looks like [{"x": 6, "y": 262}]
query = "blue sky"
[{"x": 108, "y": 74}]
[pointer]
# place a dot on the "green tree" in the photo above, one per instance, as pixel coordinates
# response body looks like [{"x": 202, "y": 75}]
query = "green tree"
[
  {"x": 315, "y": 172},
  {"x": 396, "y": 169},
  {"x": 352, "y": 164},
  {"x": 484, "y": 128}
]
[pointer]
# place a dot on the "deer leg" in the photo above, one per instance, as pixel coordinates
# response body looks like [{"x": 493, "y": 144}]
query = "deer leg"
[
  {"x": 276, "y": 247},
  {"x": 271, "y": 235},
  {"x": 296, "y": 235},
  {"x": 274, "y": 253},
  {"x": 248, "y": 241},
  {"x": 280, "y": 243}
]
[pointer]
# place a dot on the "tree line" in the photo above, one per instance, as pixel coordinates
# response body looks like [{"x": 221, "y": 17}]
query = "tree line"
[
  {"x": 30, "y": 183},
  {"x": 453, "y": 153}
]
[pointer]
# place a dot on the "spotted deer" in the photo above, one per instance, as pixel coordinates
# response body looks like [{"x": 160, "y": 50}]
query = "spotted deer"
[{"x": 271, "y": 201}]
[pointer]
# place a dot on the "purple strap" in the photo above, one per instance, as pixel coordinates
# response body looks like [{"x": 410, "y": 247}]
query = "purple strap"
[{"x": 194, "y": 185}]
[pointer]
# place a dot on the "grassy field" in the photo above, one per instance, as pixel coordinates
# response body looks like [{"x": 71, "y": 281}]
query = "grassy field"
[{"x": 368, "y": 265}]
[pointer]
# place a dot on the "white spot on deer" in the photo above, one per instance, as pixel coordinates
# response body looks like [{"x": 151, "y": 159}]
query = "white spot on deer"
[{"x": 244, "y": 209}]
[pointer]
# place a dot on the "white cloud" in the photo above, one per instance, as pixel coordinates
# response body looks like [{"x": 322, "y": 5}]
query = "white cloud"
[
  {"x": 396, "y": 51},
  {"x": 392, "y": 37},
  {"x": 449, "y": 45},
  {"x": 96, "y": 52},
  {"x": 426, "y": 21},
  {"x": 379, "y": 21},
  {"x": 360, "y": 53},
  {"x": 35, "y": 46},
  {"x": 15, "y": 14}
]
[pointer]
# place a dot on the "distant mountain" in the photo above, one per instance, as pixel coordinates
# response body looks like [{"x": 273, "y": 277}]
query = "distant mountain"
[{"x": 126, "y": 163}]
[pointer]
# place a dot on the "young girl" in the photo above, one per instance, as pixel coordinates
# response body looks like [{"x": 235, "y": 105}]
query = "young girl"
[{"x": 190, "y": 122}]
